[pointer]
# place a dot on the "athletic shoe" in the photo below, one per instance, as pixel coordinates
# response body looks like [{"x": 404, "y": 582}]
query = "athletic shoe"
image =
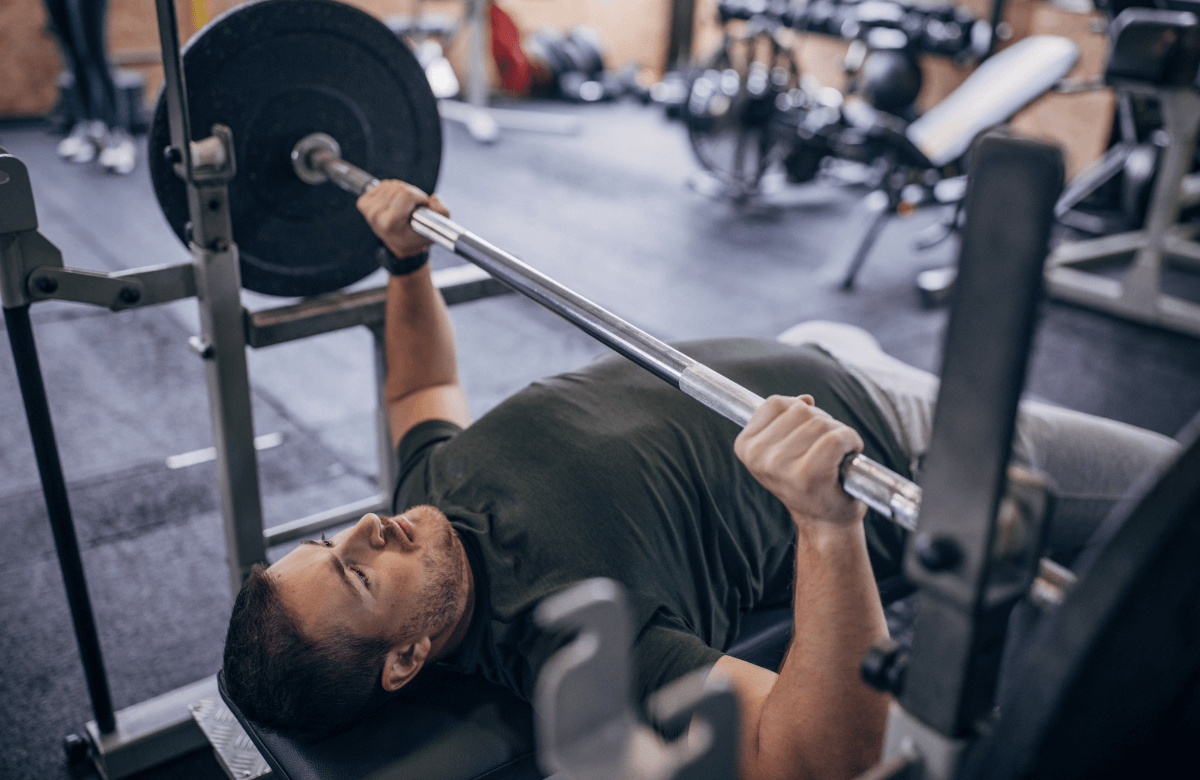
[
  {"x": 117, "y": 152},
  {"x": 77, "y": 146}
]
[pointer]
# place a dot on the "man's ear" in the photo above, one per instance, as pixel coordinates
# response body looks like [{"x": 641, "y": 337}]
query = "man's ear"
[{"x": 403, "y": 662}]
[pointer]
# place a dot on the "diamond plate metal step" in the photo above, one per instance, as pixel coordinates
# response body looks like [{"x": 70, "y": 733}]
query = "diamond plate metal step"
[{"x": 235, "y": 752}]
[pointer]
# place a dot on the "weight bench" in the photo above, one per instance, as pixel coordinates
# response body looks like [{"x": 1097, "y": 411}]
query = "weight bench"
[
  {"x": 1000, "y": 87},
  {"x": 447, "y": 726}
]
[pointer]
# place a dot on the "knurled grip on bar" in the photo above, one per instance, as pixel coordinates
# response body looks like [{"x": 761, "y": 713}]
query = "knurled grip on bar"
[{"x": 880, "y": 488}]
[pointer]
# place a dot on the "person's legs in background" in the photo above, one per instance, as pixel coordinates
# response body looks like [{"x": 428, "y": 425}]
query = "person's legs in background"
[
  {"x": 80, "y": 144},
  {"x": 80, "y": 26},
  {"x": 117, "y": 151}
]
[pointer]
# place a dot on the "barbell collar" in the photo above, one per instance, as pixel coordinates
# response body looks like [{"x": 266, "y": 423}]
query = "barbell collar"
[
  {"x": 878, "y": 487},
  {"x": 317, "y": 158}
]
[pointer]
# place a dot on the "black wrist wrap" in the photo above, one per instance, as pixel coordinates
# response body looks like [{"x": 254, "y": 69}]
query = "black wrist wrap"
[{"x": 401, "y": 266}]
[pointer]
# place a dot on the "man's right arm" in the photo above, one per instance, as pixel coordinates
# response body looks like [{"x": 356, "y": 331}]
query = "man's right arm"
[
  {"x": 816, "y": 718},
  {"x": 422, "y": 372}
]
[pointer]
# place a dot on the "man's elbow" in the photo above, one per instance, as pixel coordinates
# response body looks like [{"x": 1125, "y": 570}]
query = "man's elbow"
[
  {"x": 823, "y": 758},
  {"x": 831, "y": 768}
]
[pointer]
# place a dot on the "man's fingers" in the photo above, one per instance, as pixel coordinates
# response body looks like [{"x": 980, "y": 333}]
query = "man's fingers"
[
  {"x": 771, "y": 408},
  {"x": 767, "y": 426},
  {"x": 804, "y": 436},
  {"x": 388, "y": 209},
  {"x": 795, "y": 450},
  {"x": 775, "y": 412},
  {"x": 780, "y": 433},
  {"x": 834, "y": 445},
  {"x": 392, "y": 195}
]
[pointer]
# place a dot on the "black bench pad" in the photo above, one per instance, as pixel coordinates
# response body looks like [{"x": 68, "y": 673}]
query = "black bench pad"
[
  {"x": 443, "y": 726},
  {"x": 446, "y": 726}
]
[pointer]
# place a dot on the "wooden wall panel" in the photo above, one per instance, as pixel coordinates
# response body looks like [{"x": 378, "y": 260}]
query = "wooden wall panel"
[
  {"x": 29, "y": 60},
  {"x": 1081, "y": 122}
]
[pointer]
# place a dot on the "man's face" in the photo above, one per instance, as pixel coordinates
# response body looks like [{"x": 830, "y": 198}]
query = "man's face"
[{"x": 399, "y": 577}]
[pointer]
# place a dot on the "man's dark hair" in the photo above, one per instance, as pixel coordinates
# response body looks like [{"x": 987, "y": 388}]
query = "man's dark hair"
[{"x": 290, "y": 683}]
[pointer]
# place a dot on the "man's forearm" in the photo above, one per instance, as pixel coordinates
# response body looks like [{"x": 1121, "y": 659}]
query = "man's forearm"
[
  {"x": 419, "y": 339},
  {"x": 820, "y": 720}
]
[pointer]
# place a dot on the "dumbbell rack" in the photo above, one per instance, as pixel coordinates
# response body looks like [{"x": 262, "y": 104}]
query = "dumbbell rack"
[{"x": 32, "y": 270}]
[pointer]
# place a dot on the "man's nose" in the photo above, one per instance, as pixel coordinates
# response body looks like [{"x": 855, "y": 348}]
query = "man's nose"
[{"x": 368, "y": 531}]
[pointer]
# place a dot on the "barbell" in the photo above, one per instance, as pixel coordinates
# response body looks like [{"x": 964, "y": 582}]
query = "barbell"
[
  {"x": 316, "y": 158},
  {"x": 300, "y": 83}
]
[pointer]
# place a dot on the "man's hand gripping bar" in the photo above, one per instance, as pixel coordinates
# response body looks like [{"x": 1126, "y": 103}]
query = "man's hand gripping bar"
[{"x": 317, "y": 158}]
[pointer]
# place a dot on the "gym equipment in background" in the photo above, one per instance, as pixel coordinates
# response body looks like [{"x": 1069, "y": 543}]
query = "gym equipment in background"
[
  {"x": 432, "y": 34},
  {"x": 912, "y": 162},
  {"x": 1117, "y": 198},
  {"x": 485, "y": 123},
  {"x": 571, "y": 67},
  {"x": 1112, "y": 194},
  {"x": 749, "y": 94},
  {"x": 731, "y": 104},
  {"x": 1154, "y": 53}
]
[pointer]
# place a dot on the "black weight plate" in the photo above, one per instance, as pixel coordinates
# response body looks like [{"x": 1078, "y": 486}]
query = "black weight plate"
[{"x": 275, "y": 71}]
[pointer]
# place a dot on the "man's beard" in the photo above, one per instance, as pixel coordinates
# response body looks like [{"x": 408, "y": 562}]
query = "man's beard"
[{"x": 439, "y": 594}]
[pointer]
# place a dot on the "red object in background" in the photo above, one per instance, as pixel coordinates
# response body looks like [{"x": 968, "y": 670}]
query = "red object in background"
[{"x": 506, "y": 49}]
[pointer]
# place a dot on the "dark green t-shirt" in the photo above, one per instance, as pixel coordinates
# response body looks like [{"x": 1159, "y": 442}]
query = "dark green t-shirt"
[{"x": 608, "y": 471}]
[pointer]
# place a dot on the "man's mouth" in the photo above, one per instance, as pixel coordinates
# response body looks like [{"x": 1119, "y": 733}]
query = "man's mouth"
[{"x": 405, "y": 527}]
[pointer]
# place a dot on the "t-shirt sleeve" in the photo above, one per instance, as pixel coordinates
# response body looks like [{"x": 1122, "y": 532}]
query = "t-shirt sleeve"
[
  {"x": 663, "y": 652},
  {"x": 413, "y": 453}
]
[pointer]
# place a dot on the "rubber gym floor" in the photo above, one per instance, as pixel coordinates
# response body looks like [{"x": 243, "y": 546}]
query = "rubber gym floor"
[{"x": 607, "y": 212}]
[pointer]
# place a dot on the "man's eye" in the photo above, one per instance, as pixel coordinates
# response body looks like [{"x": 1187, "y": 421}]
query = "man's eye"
[{"x": 363, "y": 577}]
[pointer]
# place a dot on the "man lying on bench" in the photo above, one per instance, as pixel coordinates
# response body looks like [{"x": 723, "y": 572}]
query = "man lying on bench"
[{"x": 608, "y": 471}]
